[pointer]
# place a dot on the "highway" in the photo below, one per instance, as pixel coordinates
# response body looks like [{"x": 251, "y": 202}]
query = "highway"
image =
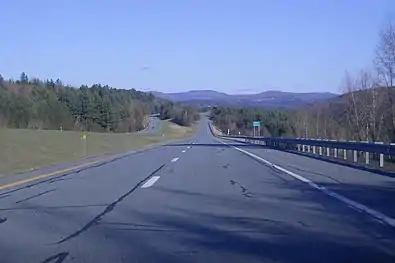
[
  {"x": 202, "y": 199},
  {"x": 154, "y": 125}
]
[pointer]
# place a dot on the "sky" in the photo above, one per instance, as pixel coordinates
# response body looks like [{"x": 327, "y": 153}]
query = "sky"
[{"x": 233, "y": 46}]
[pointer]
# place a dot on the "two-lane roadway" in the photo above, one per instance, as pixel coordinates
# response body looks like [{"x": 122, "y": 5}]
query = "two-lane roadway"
[{"x": 200, "y": 200}]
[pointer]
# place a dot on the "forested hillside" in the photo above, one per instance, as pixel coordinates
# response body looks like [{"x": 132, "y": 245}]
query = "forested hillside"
[
  {"x": 266, "y": 100},
  {"x": 50, "y": 104},
  {"x": 361, "y": 115}
]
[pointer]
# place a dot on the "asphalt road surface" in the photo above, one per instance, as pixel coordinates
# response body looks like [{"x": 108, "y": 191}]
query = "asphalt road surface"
[
  {"x": 154, "y": 125},
  {"x": 200, "y": 200}
]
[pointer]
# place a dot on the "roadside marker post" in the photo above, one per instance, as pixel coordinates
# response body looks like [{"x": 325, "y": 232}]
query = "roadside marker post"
[{"x": 84, "y": 144}]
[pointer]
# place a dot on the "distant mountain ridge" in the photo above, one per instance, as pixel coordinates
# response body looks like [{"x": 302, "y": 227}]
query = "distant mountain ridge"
[{"x": 271, "y": 98}]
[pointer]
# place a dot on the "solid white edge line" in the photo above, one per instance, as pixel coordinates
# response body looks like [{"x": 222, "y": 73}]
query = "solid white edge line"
[
  {"x": 150, "y": 182},
  {"x": 376, "y": 214},
  {"x": 174, "y": 159},
  {"x": 183, "y": 151}
]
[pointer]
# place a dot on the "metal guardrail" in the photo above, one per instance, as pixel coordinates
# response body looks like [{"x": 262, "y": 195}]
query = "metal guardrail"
[{"x": 327, "y": 148}]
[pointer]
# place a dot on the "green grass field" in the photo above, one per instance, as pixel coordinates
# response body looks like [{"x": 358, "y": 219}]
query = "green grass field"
[{"x": 23, "y": 150}]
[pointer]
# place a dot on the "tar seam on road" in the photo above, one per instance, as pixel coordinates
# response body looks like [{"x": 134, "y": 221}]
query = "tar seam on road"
[
  {"x": 34, "y": 196},
  {"x": 360, "y": 207},
  {"x": 60, "y": 257},
  {"x": 108, "y": 209},
  {"x": 150, "y": 182},
  {"x": 174, "y": 159}
]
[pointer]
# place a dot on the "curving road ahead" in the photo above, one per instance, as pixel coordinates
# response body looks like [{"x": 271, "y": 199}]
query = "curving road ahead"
[
  {"x": 199, "y": 200},
  {"x": 154, "y": 125}
]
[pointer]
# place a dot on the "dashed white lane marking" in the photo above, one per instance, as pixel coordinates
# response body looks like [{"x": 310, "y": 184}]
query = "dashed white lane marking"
[
  {"x": 183, "y": 151},
  {"x": 360, "y": 207},
  {"x": 174, "y": 159},
  {"x": 189, "y": 147},
  {"x": 150, "y": 182}
]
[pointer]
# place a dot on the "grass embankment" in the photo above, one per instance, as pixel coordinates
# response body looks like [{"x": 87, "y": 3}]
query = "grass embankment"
[{"x": 23, "y": 150}]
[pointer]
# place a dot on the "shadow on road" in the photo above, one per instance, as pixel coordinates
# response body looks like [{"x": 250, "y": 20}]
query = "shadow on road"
[
  {"x": 228, "y": 237},
  {"x": 338, "y": 161}
]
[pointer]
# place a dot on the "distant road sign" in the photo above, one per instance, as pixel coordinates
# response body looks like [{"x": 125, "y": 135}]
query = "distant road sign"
[{"x": 256, "y": 123}]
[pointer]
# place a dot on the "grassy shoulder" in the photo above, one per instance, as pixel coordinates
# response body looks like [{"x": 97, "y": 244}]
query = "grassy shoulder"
[{"x": 23, "y": 150}]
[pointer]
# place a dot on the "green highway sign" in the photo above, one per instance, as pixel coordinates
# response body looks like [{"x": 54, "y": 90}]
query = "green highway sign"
[{"x": 256, "y": 123}]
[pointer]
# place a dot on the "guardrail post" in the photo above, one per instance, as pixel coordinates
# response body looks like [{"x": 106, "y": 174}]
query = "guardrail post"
[
  {"x": 328, "y": 151},
  {"x": 308, "y": 148},
  {"x": 367, "y": 157},
  {"x": 303, "y": 148},
  {"x": 313, "y": 149},
  {"x": 320, "y": 150},
  {"x": 355, "y": 154},
  {"x": 381, "y": 161},
  {"x": 298, "y": 147},
  {"x": 345, "y": 154},
  {"x": 335, "y": 152}
]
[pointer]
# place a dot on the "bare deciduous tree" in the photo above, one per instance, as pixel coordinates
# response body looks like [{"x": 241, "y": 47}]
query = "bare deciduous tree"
[
  {"x": 365, "y": 113},
  {"x": 385, "y": 55},
  {"x": 385, "y": 65},
  {"x": 354, "y": 114}
]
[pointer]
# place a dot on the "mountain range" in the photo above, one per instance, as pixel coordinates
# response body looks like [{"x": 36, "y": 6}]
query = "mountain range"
[{"x": 266, "y": 99}]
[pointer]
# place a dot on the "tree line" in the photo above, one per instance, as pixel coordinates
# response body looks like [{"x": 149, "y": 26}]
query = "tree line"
[
  {"x": 38, "y": 104},
  {"x": 366, "y": 109},
  {"x": 364, "y": 112},
  {"x": 274, "y": 123}
]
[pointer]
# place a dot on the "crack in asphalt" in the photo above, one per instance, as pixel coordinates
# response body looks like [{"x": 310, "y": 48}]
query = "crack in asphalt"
[
  {"x": 244, "y": 190},
  {"x": 108, "y": 209},
  {"x": 58, "y": 258},
  {"x": 226, "y": 166},
  {"x": 302, "y": 223}
]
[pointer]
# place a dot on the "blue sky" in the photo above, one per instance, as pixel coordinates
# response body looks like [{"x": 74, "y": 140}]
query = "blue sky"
[{"x": 235, "y": 46}]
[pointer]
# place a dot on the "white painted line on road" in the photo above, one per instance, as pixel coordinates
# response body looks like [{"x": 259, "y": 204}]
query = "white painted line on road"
[
  {"x": 183, "y": 151},
  {"x": 150, "y": 182},
  {"x": 174, "y": 159},
  {"x": 360, "y": 207},
  {"x": 189, "y": 147}
]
